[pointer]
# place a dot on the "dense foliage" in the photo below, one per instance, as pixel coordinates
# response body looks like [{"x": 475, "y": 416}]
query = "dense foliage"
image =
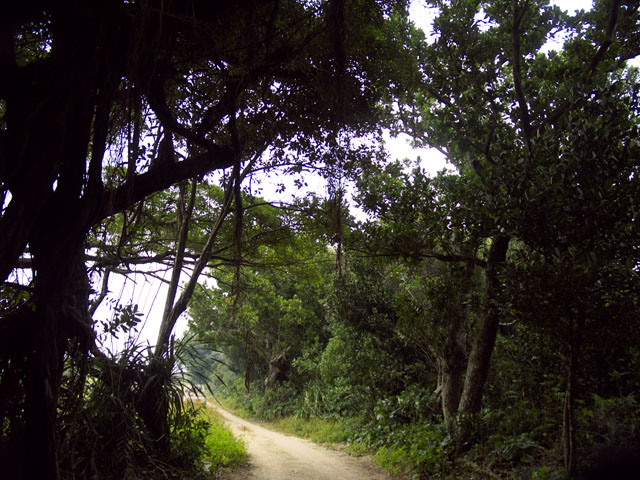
[
  {"x": 113, "y": 117},
  {"x": 479, "y": 322},
  {"x": 485, "y": 318}
]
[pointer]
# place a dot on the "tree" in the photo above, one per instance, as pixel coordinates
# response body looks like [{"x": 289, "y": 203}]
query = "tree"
[
  {"x": 373, "y": 354},
  {"x": 270, "y": 306},
  {"x": 523, "y": 124},
  {"x": 82, "y": 84},
  {"x": 441, "y": 220}
]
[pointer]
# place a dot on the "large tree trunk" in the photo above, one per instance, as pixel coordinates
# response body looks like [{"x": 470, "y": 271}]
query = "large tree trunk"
[
  {"x": 271, "y": 381},
  {"x": 483, "y": 343},
  {"x": 43, "y": 383},
  {"x": 61, "y": 313},
  {"x": 154, "y": 402},
  {"x": 55, "y": 232},
  {"x": 451, "y": 361},
  {"x": 451, "y": 370}
]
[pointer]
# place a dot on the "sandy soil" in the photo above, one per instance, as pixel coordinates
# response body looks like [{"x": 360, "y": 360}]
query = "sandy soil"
[{"x": 276, "y": 456}]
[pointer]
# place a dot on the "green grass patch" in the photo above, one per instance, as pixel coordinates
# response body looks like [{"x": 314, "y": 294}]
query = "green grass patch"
[
  {"x": 224, "y": 450},
  {"x": 317, "y": 430},
  {"x": 235, "y": 406}
]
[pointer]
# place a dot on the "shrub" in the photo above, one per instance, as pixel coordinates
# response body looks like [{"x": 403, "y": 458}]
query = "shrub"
[
  {"x": 612, "y": 421},
  {"x": 421, "y": 450},
  {"x": 107, "y": 436}
]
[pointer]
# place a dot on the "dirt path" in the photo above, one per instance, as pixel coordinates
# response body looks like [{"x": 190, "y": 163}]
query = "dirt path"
[{"x": 275, "y": 456}]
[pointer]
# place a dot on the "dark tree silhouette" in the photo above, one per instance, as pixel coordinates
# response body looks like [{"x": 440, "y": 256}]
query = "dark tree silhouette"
[{"x": 78, "y": 78}]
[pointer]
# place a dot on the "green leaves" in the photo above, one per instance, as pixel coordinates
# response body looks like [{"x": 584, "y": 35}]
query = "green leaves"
[
  {"x": 278, "y": 312},
  {"x": 124, "y": 319}
]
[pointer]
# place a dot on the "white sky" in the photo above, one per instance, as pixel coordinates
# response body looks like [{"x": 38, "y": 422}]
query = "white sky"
[{"x": 150, "y": 296}]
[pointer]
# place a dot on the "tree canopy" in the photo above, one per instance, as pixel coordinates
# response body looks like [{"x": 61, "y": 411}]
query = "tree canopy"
[
  {"x": 106, "y": 104},
  {"x": 139, "y": 132}
]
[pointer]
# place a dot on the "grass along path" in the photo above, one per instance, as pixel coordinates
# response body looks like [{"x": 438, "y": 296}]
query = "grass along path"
[{"x": 276, "y": 456}]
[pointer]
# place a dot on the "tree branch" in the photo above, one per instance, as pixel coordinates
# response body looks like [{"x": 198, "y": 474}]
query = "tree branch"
[
  {"x": 119, "y": 199},
  {"x": 181, "y": 243},
  {"x": 449, "y": 258},
  {"x": 181, "y": 304},
  {"x": 611, "y": 26},
  {"x": 517, "y": 72},
  {"x": 595, "y": 61}
]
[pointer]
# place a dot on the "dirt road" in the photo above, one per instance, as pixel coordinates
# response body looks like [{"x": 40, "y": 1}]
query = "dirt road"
[{"x": 275, "y": 456}]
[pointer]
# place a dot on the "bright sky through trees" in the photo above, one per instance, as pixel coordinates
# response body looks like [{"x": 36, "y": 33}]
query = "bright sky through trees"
[{"x": 150, "y": 296}]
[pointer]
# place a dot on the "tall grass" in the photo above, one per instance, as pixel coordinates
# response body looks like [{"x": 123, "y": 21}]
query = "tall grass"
[{"x": 224, "y": 450}]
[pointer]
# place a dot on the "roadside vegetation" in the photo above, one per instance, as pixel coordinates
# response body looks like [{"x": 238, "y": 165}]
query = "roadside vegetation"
[
  {"x": 224, "y": 450},
  {"x": 115, "y": 414},
  {"x": 333, "y": 433}
]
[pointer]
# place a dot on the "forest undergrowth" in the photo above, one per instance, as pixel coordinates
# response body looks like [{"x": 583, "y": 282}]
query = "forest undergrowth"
[{"x": 405, "y": 433}]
